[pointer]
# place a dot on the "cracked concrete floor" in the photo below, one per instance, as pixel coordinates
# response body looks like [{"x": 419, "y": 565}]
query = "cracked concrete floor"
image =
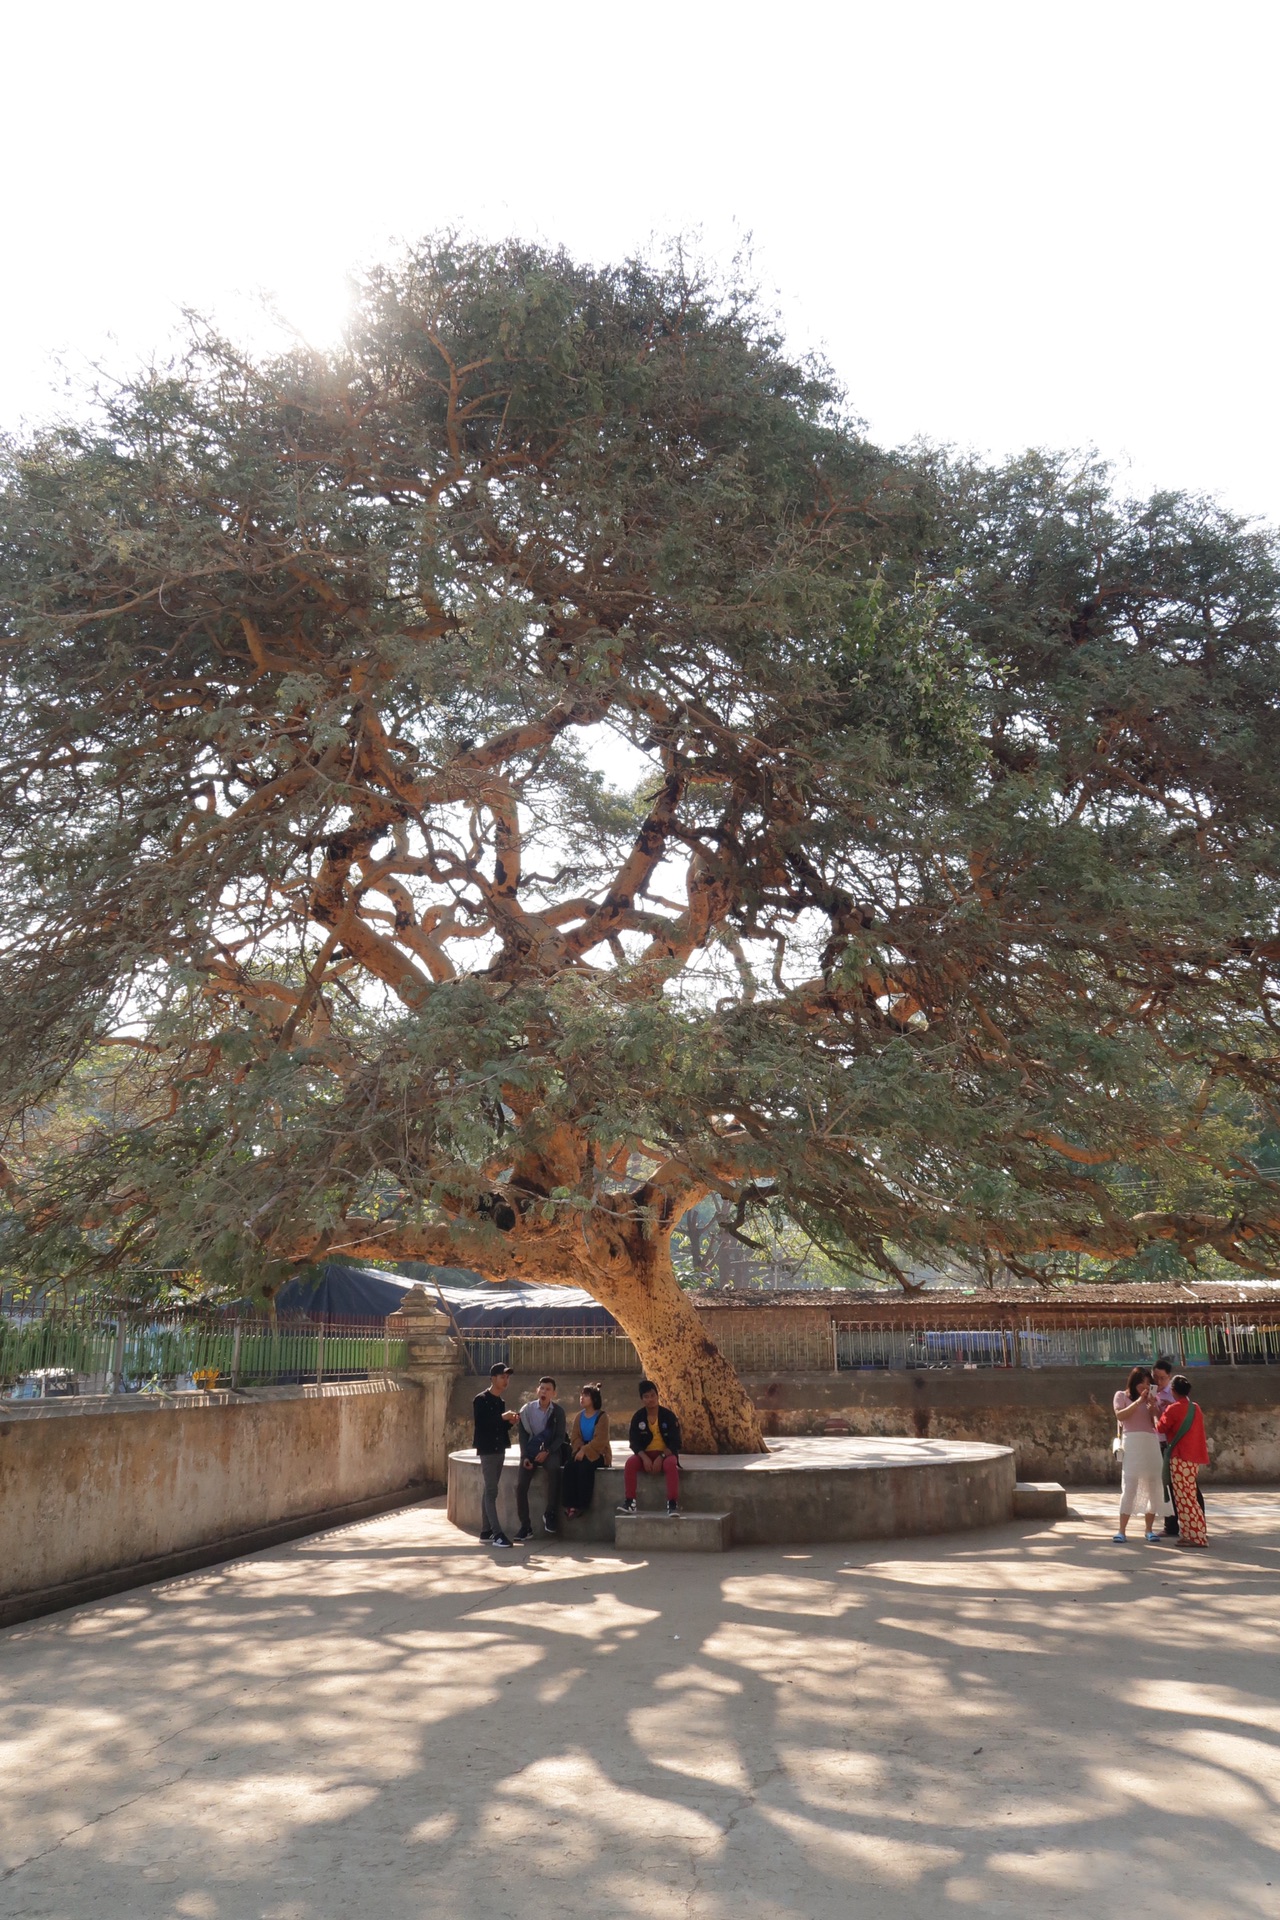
[{"x": 387, "y": 1721}]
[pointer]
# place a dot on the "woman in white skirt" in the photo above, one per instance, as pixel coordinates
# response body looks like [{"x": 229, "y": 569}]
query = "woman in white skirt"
[{"x": 1142, "y": 1481}]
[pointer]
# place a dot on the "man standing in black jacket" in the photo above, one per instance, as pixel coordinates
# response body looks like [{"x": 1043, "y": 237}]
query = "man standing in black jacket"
[{"x": 493, "y": 1424}]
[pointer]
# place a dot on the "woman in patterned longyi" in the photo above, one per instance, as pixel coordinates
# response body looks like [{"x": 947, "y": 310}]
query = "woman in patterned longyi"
[{"x": 1182, "y": 1425}]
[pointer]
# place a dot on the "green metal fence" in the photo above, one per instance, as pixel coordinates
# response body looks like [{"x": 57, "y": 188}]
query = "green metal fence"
[
  {"x": 79, "y": 1353},
  {"x": 1050, "y": 1342},
  {"x": 89, "y": 1351},
  {"x": 1047, "y": 1340}
]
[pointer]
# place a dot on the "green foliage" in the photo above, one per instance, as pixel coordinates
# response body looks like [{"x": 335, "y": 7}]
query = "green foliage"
[{"x": 539, "y": 770}]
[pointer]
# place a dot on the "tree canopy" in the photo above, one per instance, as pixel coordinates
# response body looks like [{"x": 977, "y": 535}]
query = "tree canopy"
[{"x": 481, "y": 793}]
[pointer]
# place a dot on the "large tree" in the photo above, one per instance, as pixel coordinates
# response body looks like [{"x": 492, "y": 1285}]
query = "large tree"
[{"x": 480, "y": 794}]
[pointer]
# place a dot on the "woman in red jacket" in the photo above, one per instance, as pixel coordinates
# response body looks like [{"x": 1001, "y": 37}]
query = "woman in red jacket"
[{"x": 1182, "y": 1425}]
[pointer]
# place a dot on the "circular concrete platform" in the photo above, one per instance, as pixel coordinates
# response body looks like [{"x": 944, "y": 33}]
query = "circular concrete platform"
[{"x": 801, "y": 1490}]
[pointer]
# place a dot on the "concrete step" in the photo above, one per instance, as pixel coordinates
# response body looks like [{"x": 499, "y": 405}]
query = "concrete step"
[
  {"x": 682, "y": 1533},
  {"x": 1039, "y": 1500}
]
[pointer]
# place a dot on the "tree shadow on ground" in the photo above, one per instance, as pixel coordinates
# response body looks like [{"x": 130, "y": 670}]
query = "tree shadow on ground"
[{"x": 387, "y": 1719}]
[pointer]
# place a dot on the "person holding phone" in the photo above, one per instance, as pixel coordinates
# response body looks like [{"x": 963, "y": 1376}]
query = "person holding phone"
[{"x": 1142, "y": 1478}]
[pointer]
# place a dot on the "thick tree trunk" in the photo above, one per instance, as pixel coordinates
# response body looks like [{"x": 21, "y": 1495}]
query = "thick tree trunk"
[
  {"x": 638, "y": 1285},
  {"x": 627, "y": 1267}
]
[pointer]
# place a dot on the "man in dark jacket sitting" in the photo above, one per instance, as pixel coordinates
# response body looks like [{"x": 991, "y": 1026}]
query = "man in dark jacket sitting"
[
  {"x": 542, "y": 1436},
  {"x": 655, "y": 1448}
]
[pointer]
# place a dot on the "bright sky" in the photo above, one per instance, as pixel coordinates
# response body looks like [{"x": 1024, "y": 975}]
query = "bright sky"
[{"x": 1050, "y": 222}]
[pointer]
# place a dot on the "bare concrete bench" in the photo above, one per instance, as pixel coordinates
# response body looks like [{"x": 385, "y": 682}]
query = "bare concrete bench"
[
  {"x": 677, "y": 1533},
  {"x": 1039, "y": 1500}
]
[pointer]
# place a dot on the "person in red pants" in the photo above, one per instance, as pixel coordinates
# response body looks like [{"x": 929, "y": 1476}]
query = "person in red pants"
[
  {"x": 1182, "y": 1425},
  {"x": 655, "y": 1448}
]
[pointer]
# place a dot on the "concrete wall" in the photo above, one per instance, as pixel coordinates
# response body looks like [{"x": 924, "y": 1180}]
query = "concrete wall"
[
  {"x": 87, "y": 1487},
  {"x": 97, "y": 1495},
  {"x": 1057, "y": 1420}
]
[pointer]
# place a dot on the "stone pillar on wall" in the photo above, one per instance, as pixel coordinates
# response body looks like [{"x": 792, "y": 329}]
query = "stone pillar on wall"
[{"x": 433, "y": 1361}]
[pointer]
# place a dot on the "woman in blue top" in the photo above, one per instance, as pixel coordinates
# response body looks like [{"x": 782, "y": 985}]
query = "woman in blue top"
[{"x": 588, "y": 1449}]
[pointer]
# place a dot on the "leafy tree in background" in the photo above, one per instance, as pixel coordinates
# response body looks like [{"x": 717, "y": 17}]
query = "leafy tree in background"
[{"x": 482, "y": 794}]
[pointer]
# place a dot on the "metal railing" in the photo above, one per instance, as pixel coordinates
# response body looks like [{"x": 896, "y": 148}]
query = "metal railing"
[
  {"x": 777, "y": 1349},
  {"x": 582, "y": 1351},
  {"x": 902, "y": 1343},
  {"x": 572, "y": 1350},
  {"x": 74, "y": 1353},
  {"x": 1044, "y": 1343},
  {"x": 95, "y": 1352}
]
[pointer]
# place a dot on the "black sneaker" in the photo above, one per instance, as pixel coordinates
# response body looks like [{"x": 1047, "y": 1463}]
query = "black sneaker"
[
  {"x": 673, "y": 1508},
  {"x": 525, "y": 1533},
  {"x": 627, "y": 1506},
  {"x": 485, "y": 1537},
  {"x": 549, "y": 1526},
  {"x": 500, "y": 1540}
]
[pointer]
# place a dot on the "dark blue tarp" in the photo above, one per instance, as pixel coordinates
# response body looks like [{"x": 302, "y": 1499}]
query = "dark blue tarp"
[
  {"x": 342, "y": 1293},
  {"x": 335, "y": 1292}
]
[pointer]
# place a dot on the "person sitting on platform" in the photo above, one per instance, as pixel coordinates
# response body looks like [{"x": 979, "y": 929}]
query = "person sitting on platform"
[
  {"x": 589, "y": 1449},
  {"x": 542, "y": 1432},
  {"x": 655, "y": 1448}
]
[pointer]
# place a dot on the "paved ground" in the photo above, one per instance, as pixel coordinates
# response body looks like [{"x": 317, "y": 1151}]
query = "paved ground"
[{"x": 386, "y": 1722}]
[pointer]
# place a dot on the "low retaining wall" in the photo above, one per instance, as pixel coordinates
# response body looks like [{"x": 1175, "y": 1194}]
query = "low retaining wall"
[
  {"x": 806, "y": 1491},
  {"x": 100, "y": 1494},
  {"x": 1057, "y": 1420}
]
